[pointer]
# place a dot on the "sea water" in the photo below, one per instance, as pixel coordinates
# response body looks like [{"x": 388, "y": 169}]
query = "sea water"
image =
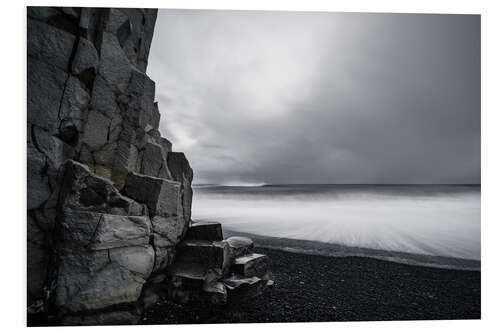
[{"x": 441, "y": 221}]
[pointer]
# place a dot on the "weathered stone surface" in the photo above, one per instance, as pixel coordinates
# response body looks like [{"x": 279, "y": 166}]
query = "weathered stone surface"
[
  {"x": 164, "y": 257},
  {"x": 114, "y": 65},
  {"x": 125, "y": 161},
  {"x": 96, "y": 130},
  {"x": 239, "y": 246},
  {"x": 153, "y": 161},
  {"x": 75, "y": 270},
  {"x": 109, "y": 286},
  {"x": 160, "y": 195},
  {"x": 181, "y": 171},
  {"x": 49, "y": 44},
  {"x": 86, "y": 57},
  {"x": 115, "y": 20},
  {"x": 82, "y": 190},
  {"x": 97, "y": 231},
  {"x": 38, "y": 185},
  {"x": 167, "y": 231},
  {"x": 41, "y": 13},
  {"x": 74, "y": 103},
  {"x": 239, "y": 288},
  {"x": 103, "y": 97},
  {"x": 210, "y": 254},
  {"x": 45, "y": 89},
  {"x": 251, "y": 265},
  {"x": 205, "y": 231},
  {"x": 137, "y": 259},
  {"x": 55, "y": 150}
]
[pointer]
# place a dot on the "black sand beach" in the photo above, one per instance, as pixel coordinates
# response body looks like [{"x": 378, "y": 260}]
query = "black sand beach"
[{"x": 321, "y": 288}]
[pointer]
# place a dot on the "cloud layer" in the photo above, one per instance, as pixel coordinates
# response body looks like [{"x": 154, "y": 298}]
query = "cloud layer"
[{"x": 287, "y": 97}]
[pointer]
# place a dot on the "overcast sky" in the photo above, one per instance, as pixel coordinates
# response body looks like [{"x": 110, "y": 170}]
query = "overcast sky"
[{"x": 290, "y": 97}]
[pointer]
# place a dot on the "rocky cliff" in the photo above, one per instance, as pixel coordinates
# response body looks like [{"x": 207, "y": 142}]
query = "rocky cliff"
[{"x": 109, "y": 202}]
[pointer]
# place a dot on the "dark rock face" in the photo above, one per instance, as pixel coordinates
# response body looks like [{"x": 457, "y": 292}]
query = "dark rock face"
[
  {"x": 93, "y": 131},
  {"x": 109, "y": 202}
]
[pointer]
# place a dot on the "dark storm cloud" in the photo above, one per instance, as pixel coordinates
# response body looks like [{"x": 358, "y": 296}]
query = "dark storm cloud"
[{"x": 280, "y": 97}]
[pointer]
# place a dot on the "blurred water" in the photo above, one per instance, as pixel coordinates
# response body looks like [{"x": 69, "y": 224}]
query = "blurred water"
[{"x": 427, "y": 220}]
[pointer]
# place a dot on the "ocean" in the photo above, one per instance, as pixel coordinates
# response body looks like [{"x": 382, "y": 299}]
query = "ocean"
[{"x": 432, "y": 225}]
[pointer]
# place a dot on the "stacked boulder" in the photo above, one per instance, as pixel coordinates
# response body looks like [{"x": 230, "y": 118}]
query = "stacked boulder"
[
  {"x": 209, "y": 268},
  {"x": 109, "y": 202}
]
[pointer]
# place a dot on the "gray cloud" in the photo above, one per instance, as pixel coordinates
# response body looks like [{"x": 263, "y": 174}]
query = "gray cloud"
[{"x": 287, "y": 97}]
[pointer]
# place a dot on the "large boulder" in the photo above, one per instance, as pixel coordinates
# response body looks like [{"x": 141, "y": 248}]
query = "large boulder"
[
  {"x": 82, "y": 190},
  {"x": 162, "y": 196},
  {"x": 97, "y": 231}
]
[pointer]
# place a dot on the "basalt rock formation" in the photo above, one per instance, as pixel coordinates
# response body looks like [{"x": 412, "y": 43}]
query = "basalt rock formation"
[{"x": 109, "y": 202}]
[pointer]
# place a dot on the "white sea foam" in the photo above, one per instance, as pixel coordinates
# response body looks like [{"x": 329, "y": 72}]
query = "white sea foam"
[{"x": 431, "y": 223}]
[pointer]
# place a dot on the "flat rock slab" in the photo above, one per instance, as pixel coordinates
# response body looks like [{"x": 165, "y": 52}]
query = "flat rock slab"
[
  {"x": 162, "y": 196},
  {"x": 251, "y": 265},
  {"x": 240, "y": 288},
  {"x": 96, "y": 231},
  {"x": 211, "y": 254},
  {"x": 205, "y": 231}
]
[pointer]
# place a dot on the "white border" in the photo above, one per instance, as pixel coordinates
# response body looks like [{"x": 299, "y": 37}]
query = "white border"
[{"x": 13, "y": 138}]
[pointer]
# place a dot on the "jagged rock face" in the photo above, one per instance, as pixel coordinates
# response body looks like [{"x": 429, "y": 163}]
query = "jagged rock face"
[{"x": 108, "y": 200}]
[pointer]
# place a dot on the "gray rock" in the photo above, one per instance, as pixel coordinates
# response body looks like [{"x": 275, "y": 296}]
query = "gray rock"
[
  {"x": 75, "y": 270},
  {"x": 103, "y": 97},
  {"x": 55, "y": 150},
  {"x": 97, "y": 231},
  {"x": 125, "y": 161},
  {"x": 74, "y": 12},
  {"x": 164, "y": 258},
  {"x": 205, "y": 231},
  {"x": 243, "y": 288},
  {"x": 137, "y": 259},
  {"x": 96, "y": 130},
  {"x": 162, "y": 196},
  {"x": 86, "y": 57},
  {"x": 217, "y": 291},
  {"x": 167, "y": 231},
  {"x": 114, "y": 65},
  {"x": 188, "y": 275},
  {"x": 212, "y": 255},
  {"x": 153, "y": 161},
  {"x": 181, "y": 171},
  {"x": 45, "y": 89},
  {"x": 74, "y": 103},
  {"x": 82, "y": 190},
  {"x": 41, "y": 13},
  {"x": 115, "y": 20},
  {"x": 110, "y": 286},
  {"x": 49, "y": 44},
  {"x": 251, "y": 265},
  {"x": 167, "y": 145},
  {"x": 38, "y": 185},
  {"x": 239, "y": 246}
]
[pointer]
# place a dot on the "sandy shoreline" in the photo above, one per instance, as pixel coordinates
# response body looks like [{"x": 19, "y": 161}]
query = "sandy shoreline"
[{"x": 322, "y": 288}]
